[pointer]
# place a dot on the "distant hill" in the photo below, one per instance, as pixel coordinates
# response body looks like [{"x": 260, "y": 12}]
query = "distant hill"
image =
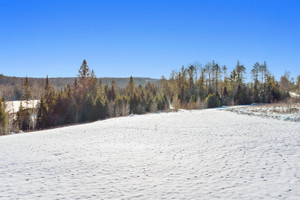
[
  {"x": 10, "y": 86},
  {"x": 61, "y": 82}
]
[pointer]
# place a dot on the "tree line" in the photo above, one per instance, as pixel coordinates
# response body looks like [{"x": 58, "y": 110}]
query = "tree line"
[
  {"x": 212, "y": 85},
  {"x": 196, "y": 87}
]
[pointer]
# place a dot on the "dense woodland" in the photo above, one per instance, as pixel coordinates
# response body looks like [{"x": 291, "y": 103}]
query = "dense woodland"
[{"x": 87, "y": 99}]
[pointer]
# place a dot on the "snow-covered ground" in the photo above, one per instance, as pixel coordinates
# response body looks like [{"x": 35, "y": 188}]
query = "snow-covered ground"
[
  {"x": 281, "y": 111},
  {"x": 294, "y": 95},
  {"x": 206, "y": 154},
  {"x": 13, "y": 106}
]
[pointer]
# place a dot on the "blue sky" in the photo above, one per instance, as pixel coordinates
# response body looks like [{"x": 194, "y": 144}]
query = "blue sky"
[{"x": 146, "y": 38}]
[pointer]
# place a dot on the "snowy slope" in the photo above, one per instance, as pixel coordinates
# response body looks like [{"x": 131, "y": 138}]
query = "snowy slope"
[{"x": 206, "y": 154}]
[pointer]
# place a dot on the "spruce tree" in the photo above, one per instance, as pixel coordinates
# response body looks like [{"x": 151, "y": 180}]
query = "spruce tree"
[
  {"x": 47, "y": 85},
  {"x": 42, "y": 115},
  {"x": 298, "y": 84},
  {"x": 3, "y": 118},
  {"x": 26, "y": 90},
  {"x": 23, "y": 118}
]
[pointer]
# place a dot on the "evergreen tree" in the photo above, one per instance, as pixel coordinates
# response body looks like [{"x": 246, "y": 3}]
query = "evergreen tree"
[
  {"x": 216, "y": 76},
  {"x": 47, "y": 85},
  {"x": 212, "y": 101},
  {"x": 3, "y": 118},
  {"x": 23, "y": 120},
  {"x": 285, "y": 83},
  {"x": 255, "y": 72},
  {"x": 26, "y": 90},
  {"x": 42, "y": 115},
  {"x": 84, "y": 72},
  {"x": 131, "y": 87},
  {"x": 225, "y": 96},
  {"x": 298, "y": 84},
  {"x": 208, "y": 69},
  {"x": 241, "y": 96},
  {"x": 201, "y": 86},
  {"x": 191, "y": 84},
  {"x": 256, "y": 93}
]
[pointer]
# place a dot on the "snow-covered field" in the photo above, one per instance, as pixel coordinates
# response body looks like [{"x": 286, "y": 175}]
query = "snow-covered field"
[
  {"x": 206, "y": 154},
  {"x": 13, "y": 106},
  {"x": 281, "y": 111}
]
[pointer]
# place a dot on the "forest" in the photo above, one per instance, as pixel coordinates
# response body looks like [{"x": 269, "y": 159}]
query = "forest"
[
  {"x": 12, "y": 88},
  {"x": 88, "y": 99}
]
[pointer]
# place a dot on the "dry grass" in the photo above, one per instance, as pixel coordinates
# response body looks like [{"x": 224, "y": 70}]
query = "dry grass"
[
  {"x": 283, "y": 111},
  {"x": 281, "y": 108}
]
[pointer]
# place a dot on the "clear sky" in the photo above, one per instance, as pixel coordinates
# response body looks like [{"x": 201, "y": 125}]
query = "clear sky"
[{"x": 146, "y": 38}]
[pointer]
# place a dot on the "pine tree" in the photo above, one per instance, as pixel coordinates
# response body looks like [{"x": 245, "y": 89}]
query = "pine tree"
[
  {"x": 232, "y": 86},
  {"x": 71, "y": 112},
  {"x": 208, "y": 68},
  {"x": 3, "y": 118},
  {"x": 201, "y": 86},
  {"x": 191, "y": 84},
  {"x": 84, "y": 72},
  {"x": 256, "y": 93},
  {"x": 131, "y": 87},
  {"x": 216, "y": 76},
  {"x": 298, "y": 84},
  {"x": 23, "y": 118},
  {"x": 240, "y": 72},
  {"x": 98, "y": 108},
  {"x": 86, "y": 78},
  {"x": 26, "y": 90},
  {"x": 112, "y": 92},
  {"x": 254, "y": 73},
  {"x": 42, "y": 115},
  {"x": 76, "y": 85},
  {"x": 285, "y": 83},
  {"x": 47, "y": 85},
  {"x": 225, "y": 96},
  {"x": 241, "y": 96}
]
